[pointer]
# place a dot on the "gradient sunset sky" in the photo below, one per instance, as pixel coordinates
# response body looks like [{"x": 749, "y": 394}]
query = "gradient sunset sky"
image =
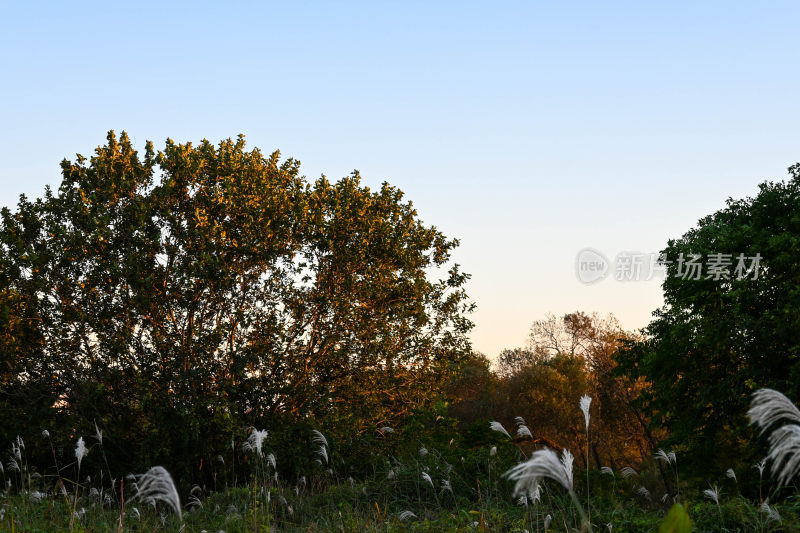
[{"x": 527, "y": 130}]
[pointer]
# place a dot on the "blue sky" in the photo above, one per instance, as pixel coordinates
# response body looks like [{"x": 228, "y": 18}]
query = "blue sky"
[{"x": 529, "y": 131}]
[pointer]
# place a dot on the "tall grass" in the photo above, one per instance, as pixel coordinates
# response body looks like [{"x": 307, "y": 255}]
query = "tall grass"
[{"x": 440, "y": 486}]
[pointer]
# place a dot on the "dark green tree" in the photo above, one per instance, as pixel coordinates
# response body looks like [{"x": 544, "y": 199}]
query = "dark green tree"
[
  {"x": 720, "y": 337},
  {"x": 176, "y": 297}
]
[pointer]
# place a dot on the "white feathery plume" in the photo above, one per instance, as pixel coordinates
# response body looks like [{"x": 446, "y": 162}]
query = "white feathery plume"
[
  {"x": 271, "y": 461},
  {"x": 628, "y": 472},
  {"x": 323, "y": 453},
  {"x": 446, "y": 485},
  {"x": 80, "y": 451},
  {"x": 668, "y": 458},
  {"x": 423, "y": 451},
  {"x": 586, "y": 401},
  {"x": 156, "y": 485},
  {"x": 768, "y": 407},
  {"x": 607, "y": 470},
  {"x": 493, "y": 451},
  {"x": 543, "y": 463},
  {"x": 731, "y": 474},
  {"x": 386, "y": 429},
  {"x": 427, "y": 478},
  {"x": 519, "y": 421},
  {"x": 712, "y": 494},
  {"x": 771, "y": 512},
  {"x": 760, "y": 467},
  {"x": 255, "y": 442},
  {"x": 194, "y": 503},
  {"x": 497, "y": 426},
  {"x": 547, "y": 520},
  {"x": 523, "y": 500},
  {"x": 643, "y": 492},
  {"x": 523, "y": 431},
  {"x": 784, "y": 454},
  {"x": 318, "y": 438},
  {"x": 567, "y": 460},
  {"x": 45, "y": 434},
  {"x": 535, "y": 495},
  {"x": 406, "y": 515},
  {"x": 98, "y": 434}
]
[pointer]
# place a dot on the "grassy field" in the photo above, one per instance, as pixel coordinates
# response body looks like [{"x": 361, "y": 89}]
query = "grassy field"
[
  {"x": 424, "y": 493},
  {"x": 360, "y": 508},
  {"x": 440, "y": 485}
]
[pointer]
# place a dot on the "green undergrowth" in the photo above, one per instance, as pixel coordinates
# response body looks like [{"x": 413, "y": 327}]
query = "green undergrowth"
[{"x": 377, "y": 505}]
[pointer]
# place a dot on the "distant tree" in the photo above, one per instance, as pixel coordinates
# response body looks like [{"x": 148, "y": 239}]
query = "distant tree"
[
  {"x": 178, "y": 296},
  {"x": 567, "y": 357},
  {"x": 472, "y": 390},
  {"x": 722, "y": 334},
  {"x": 512, "y": 360}
]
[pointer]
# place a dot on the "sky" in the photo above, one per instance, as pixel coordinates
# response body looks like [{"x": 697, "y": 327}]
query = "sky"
[{"x": 529, "y": 131}]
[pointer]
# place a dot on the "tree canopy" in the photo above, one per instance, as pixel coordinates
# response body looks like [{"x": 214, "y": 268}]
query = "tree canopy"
[
  {"x": 725, "y": 332},
  {"x": 180, "y": 295},
  {"x": 566, "y": 357}
]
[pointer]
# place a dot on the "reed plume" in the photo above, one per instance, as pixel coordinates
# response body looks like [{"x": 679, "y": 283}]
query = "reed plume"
[
  {"x": 768, "y": 407},
  {"x": 156, "y": 485}
]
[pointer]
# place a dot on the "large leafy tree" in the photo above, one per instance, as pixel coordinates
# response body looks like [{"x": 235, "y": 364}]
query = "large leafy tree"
[
  {"x": 720, "y": 337},
  {"x": 177, "y": 296}
]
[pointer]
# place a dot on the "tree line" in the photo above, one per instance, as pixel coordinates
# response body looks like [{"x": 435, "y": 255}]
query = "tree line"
[{"x": 176, "y": 298}]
